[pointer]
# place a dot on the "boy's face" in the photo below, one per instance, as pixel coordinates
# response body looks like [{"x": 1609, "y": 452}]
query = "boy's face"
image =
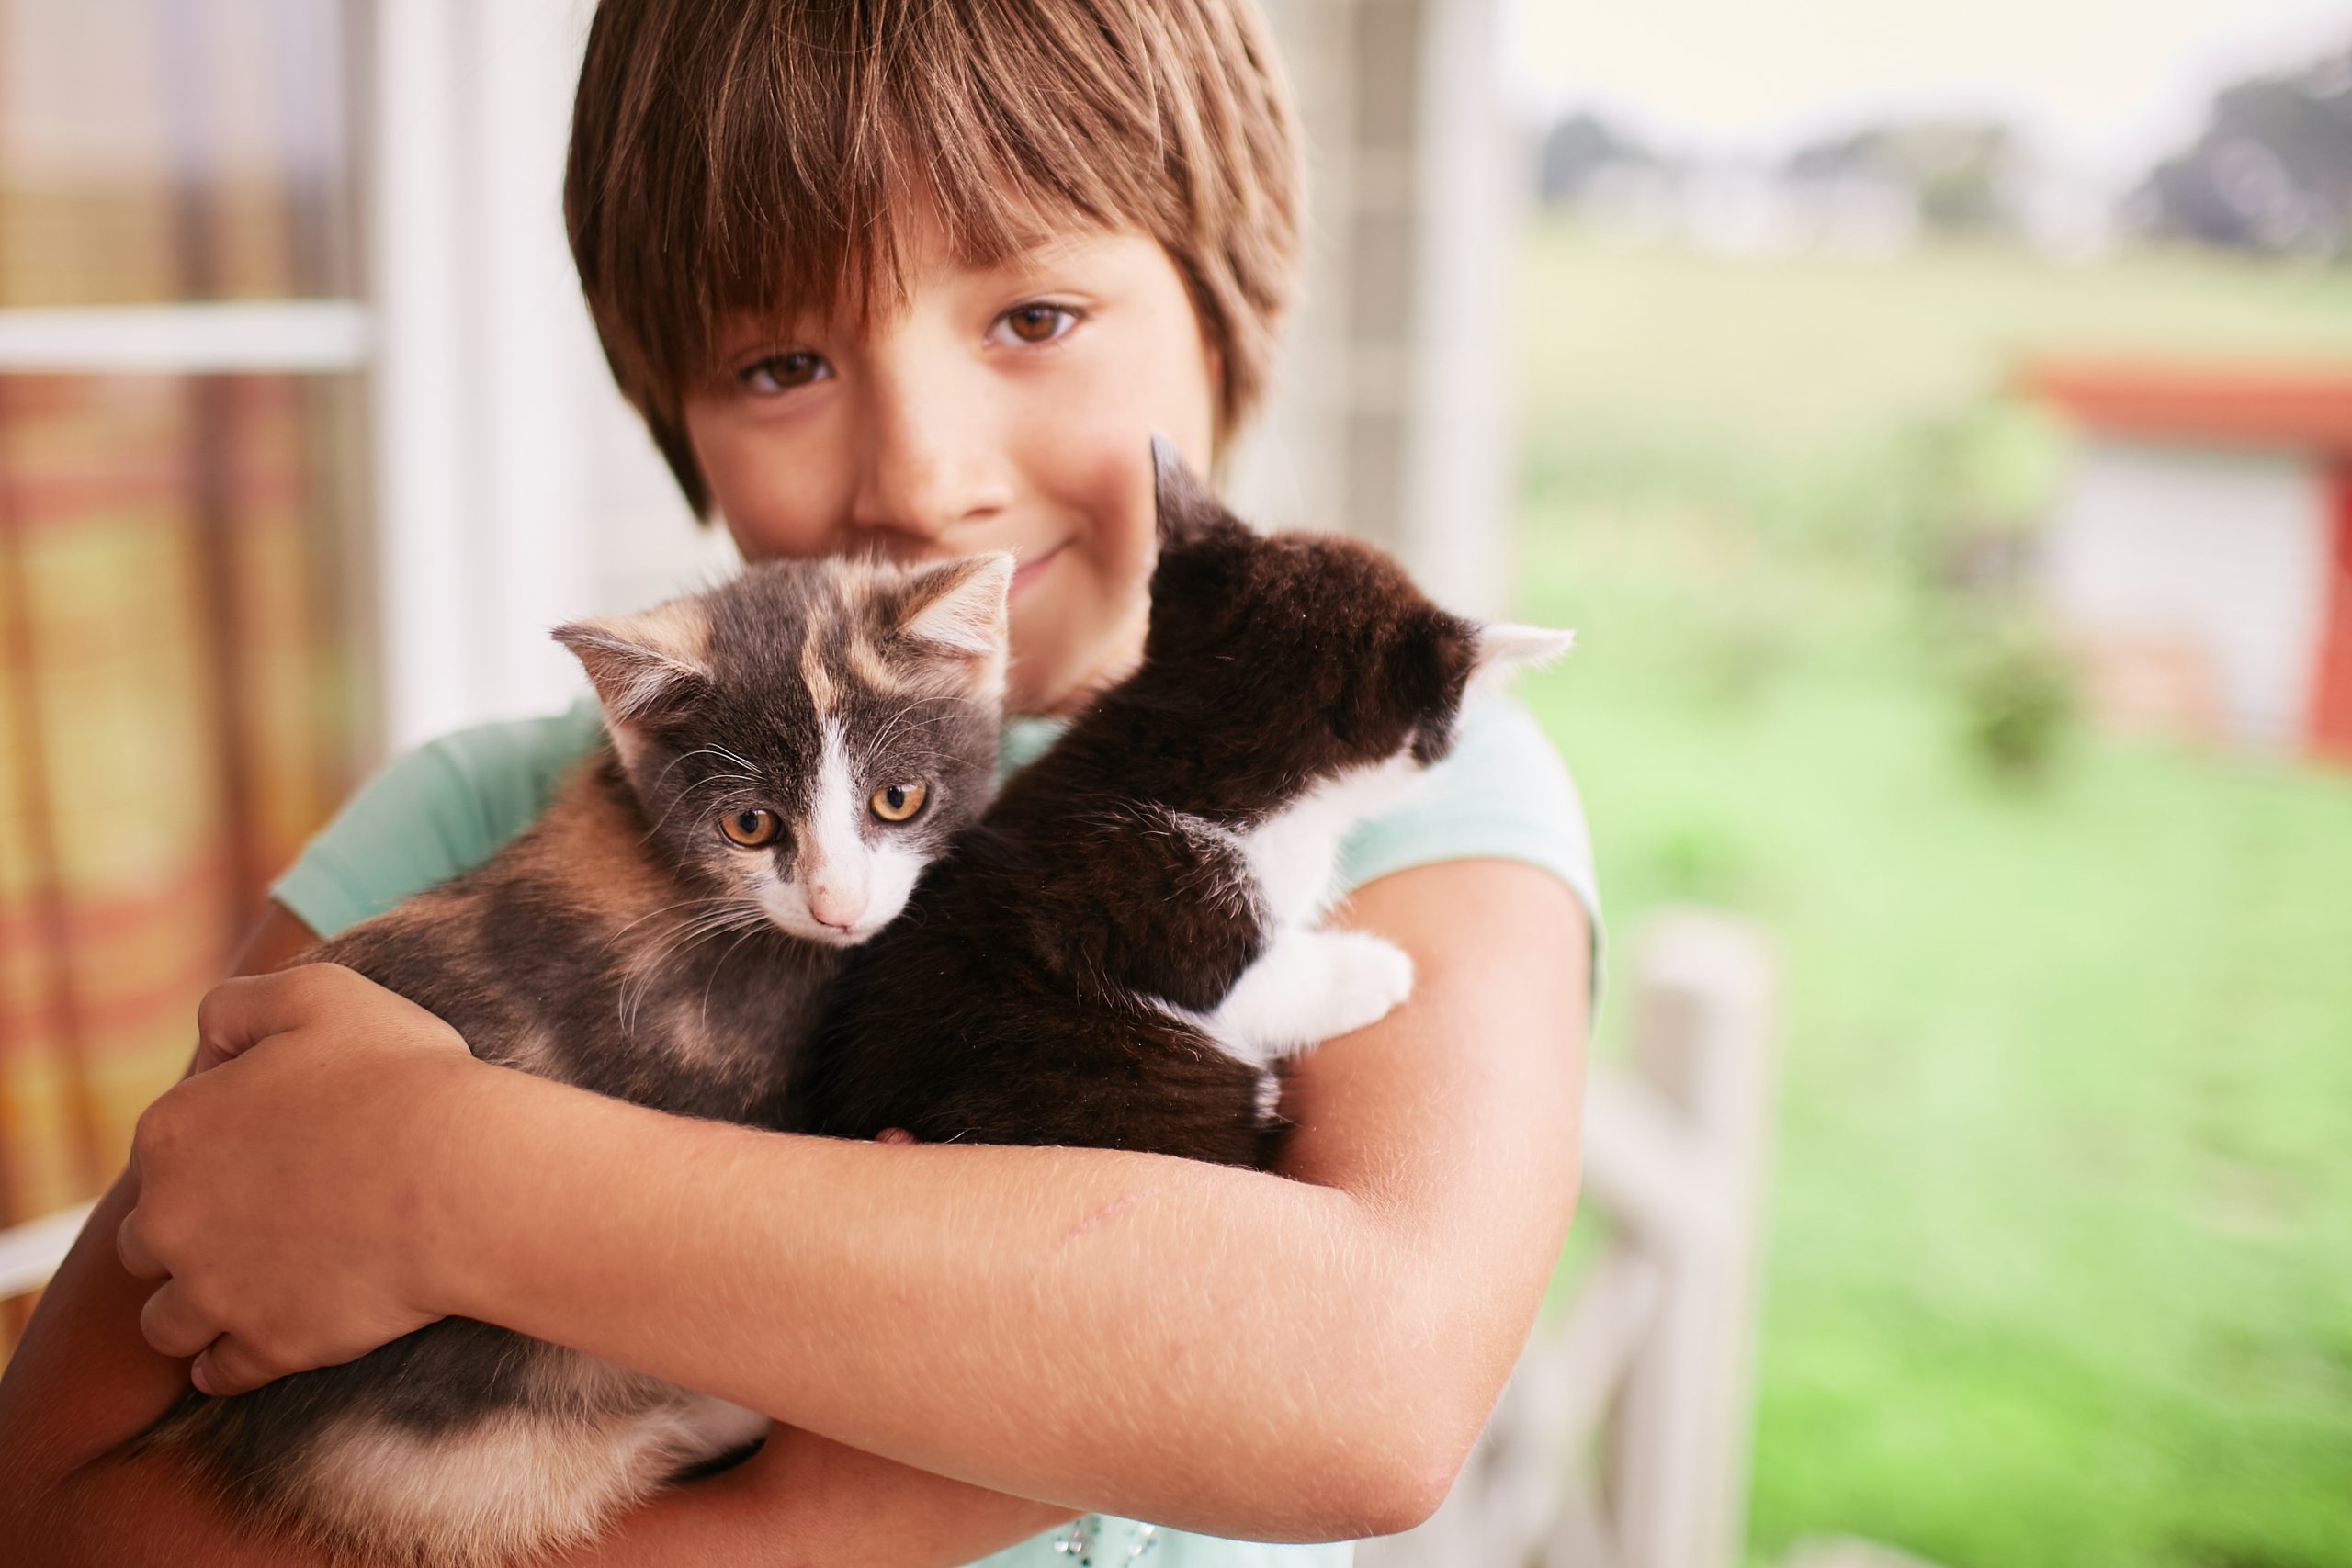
[{"x": 1004, "y": 408}]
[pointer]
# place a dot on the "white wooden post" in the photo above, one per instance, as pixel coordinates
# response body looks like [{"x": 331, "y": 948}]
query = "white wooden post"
[
  {"x": 1621, "y": 1439},
  {"x": 1703, "y": 1041}
]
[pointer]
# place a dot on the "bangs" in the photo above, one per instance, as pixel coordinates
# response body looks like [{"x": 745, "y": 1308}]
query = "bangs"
[{"x": 770, "y": 157}]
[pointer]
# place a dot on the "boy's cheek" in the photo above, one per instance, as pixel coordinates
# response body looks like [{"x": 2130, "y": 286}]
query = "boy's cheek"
[
  {"x": 778, "y": 500},
  {"x": 1082, "y": 631}
]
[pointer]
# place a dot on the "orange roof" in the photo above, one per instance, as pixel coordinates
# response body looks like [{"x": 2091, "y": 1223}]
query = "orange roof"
[{"x": 2302, "y": 408}]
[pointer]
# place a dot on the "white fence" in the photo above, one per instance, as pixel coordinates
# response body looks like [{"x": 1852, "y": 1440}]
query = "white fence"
[{"x": 1622, "y": 1440}]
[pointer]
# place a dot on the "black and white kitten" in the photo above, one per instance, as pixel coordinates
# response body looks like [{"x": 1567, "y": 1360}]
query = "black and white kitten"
[
  {"x": 787, "y": 752},
  {"x": 1127, "y": 946}
]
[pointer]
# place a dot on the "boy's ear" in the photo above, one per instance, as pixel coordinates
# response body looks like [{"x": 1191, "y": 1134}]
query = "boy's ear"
[
  {"x": 961, "y": 606},
  {"x": 1505, "y": 648},
  {"x": 1183, "y": 505},
  {"x": 641, "y": 662}
]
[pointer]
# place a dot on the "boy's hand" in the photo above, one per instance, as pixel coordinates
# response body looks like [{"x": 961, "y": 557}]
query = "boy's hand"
[{"x": 284, "y": 1195}]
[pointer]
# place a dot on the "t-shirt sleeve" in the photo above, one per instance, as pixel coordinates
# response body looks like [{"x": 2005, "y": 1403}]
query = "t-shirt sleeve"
[
  {"x": 1501, "y": 794},
  {"x": 431, "y": 813}
]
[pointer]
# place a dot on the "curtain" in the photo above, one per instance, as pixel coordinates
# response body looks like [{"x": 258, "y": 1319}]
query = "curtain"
[{"x": 179, "y": 671}]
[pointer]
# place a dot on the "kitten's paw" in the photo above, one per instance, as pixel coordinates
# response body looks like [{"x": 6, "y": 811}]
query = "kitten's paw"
[
  {"x": 1311, "y": 986},
  {"x": 1371, "y": 977}
]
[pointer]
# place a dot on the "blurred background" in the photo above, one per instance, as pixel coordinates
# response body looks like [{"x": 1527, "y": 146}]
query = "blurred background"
[{"x": 1936, "y": 420}]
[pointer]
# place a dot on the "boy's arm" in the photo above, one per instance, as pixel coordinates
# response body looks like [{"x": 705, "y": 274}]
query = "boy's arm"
[
  {"x": 1210, "y": 1347},
  {"x": 83, "y": 1381}
]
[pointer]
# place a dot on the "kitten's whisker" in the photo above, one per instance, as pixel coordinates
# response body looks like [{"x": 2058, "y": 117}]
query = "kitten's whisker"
[
  {"x": 931, "y": 721},
  {"x": 721, "y": 753},
  {"x": 724, "y": 755},
  {"x": 899, "y": 719},
  {"x": 651, "y": 965},
  {"x": 683, "y": 795},
  {"x": 681, "y": 904},
  {"x": 748, "y": 932}
]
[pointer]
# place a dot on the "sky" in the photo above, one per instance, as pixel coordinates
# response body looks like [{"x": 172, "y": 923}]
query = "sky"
[{"x": 2105, "y": 86}]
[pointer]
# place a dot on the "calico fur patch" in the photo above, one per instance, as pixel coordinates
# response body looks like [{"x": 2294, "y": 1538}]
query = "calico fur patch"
[{"x": 659, "y": 935}]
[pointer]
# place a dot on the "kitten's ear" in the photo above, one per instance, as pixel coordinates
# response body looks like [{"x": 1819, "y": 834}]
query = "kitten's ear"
[
  {"x": 640, "y": 663},
  {"x": 1183, "y": 505},
  {"x": 1505, "y": 648},
  {"x": 960, "y": 607}
]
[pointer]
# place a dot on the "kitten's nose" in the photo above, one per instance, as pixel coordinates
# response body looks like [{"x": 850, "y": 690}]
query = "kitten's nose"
[
  {"x": 836, "y": 899},
  {"x": 839, "y": 913}
]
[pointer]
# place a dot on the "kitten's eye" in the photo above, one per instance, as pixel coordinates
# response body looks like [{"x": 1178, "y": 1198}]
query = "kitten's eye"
[
  {"x": 897, "y": 803},
  {"x": 1035, "y": 323},
  {"x": 750, "y": 829},
  {"x": 782, "y": 372}
]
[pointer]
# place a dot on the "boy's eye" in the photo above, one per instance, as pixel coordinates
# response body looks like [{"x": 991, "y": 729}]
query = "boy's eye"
[
  {"x": 750, "y": 829},
  {"x": 1036, "y": 322},
  {"x": 896, "y": 803},
  {"x": 782, "y": 372}
]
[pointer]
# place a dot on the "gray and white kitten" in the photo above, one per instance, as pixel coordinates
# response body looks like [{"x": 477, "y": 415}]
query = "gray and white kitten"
[{"x": 786, "y": 754}]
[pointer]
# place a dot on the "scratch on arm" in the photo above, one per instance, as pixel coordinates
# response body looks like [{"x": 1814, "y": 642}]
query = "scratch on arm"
[{"x": 1109, "y": 1211}]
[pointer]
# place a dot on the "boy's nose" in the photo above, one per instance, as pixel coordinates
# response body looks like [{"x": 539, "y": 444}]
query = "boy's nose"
[{"x": 927, "y": 466}]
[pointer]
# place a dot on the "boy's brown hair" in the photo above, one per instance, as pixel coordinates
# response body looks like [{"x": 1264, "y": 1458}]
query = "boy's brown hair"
[{"x": 755, "y": 155}]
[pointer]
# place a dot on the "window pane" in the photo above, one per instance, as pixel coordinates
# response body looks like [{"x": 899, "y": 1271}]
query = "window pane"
[
  {"x": 180, "y": 645},
  {"x": 157, "y": 150}
]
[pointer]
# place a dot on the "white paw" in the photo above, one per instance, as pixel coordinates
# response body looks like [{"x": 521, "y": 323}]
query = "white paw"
[
  {"x": 1371, "y": 976},
  {"x": 1310, "y": 986}
]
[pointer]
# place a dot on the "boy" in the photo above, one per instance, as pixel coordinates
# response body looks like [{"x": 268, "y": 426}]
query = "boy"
[{"x": 918, "y": 280}]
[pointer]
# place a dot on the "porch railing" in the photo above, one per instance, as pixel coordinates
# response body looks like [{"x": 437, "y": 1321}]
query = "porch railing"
[{"x": 1622, "y": 1439}]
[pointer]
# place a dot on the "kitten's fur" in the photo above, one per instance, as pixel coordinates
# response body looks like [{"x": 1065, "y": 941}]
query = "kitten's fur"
[
  {"x": 1124, "y": 948},
  {"x": 625, "y": 946}
]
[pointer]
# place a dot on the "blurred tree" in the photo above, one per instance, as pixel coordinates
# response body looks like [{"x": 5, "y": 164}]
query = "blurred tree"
[
  {"x": 2018, "y": 697},
  {"x": 1959, "y": 172},
  {"x": 2271, "y": 171},
  {"x": 1580, "y": 147}
]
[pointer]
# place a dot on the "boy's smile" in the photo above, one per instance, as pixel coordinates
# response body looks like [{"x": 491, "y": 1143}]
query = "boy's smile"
[
  {"x": 1029, "y": 569},
  {"x": 1001, "y": 407}
]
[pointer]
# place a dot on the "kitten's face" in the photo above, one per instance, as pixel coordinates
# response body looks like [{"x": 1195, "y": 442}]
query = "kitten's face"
[
  {"x": 1319, "y": 643},
  {"x": 807, "y": 738}
]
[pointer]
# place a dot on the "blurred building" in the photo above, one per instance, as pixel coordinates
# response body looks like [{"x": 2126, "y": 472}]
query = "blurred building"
[{"x": 2202, "y": 553}]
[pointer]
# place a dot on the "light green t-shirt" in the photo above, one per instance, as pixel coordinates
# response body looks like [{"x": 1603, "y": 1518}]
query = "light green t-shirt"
[{"x": 448, "y": 806}]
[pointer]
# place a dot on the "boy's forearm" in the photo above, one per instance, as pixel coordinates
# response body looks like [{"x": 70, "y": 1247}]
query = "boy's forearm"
[
  {"x": 82, "y": 1381},
  {"x": 1219, "y": 1350},
  {"x": 1023, "y": 1307},
  {"x": 806, "y": 1502},
  {"x": 815, "y": 1504}
]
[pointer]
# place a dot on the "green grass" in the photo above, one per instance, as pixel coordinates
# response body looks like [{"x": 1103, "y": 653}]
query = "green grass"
[{"x": 2061, "y": 1258}]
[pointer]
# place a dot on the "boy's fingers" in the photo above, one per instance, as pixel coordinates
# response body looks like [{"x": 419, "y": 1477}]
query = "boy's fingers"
[
  {"x": 227, "y": 1367},
  {"x": 239, "y": 1014},
  {"x": 171, "y": 1324},
  {"x": 139, "y": 1259},
  {"x": 236, "y": 1015}
]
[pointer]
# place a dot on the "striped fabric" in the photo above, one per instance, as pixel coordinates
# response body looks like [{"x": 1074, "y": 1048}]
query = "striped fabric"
[{"x": 177, "y": 673}]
